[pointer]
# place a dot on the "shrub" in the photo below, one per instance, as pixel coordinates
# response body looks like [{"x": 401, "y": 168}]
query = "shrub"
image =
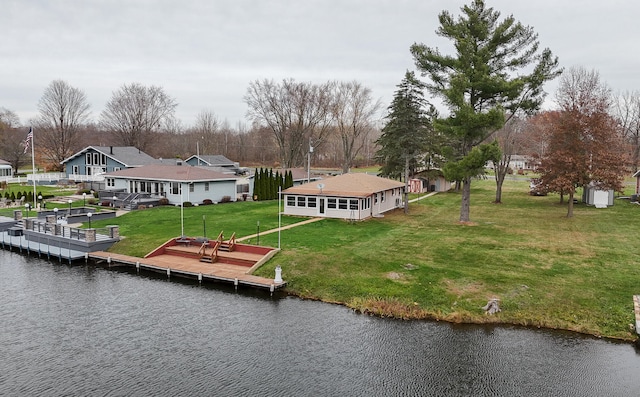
[
  {"x": 187, "y": 204},
  {"x": 106, "y": 204},
  {"x": 163, "y": 201},
  {"x": 92, "y": 201},
  {"x": 226, "y": 199},
  {"x": 207, "y": 202}
]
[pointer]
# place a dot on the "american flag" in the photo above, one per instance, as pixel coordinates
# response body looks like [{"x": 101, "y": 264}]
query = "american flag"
[{"x": 27, "y": 142}]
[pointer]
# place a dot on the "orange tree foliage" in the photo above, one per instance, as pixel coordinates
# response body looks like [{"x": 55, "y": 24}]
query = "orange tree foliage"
[{"x": 585, "y": 145}]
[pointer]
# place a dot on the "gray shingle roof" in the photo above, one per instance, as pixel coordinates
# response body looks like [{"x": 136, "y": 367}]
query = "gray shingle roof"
[
  {"x": 161, "y": 172},
  {"x": 214, "y": 160},
  {"x": 129, "y": 156}
]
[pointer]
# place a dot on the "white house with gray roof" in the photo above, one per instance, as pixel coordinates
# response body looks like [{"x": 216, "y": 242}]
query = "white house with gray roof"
[
  {"x": 177, "y": 183},
  {"x": 353, "y": 196}
]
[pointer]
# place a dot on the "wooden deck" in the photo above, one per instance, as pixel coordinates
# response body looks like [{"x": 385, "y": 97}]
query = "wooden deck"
[{"x": 181, "y": 266}]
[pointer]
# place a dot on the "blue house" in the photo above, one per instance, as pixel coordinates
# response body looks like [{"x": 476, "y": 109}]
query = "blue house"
[{"x": 89, "y": 164}]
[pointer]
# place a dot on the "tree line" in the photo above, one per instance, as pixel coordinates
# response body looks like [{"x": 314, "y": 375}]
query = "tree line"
[{"x": 335, "y": 123}]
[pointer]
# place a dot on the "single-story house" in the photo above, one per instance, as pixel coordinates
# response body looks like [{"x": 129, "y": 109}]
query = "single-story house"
[
  {"x": 6, "y": 170},
  {"x": 348, "y": 196},
  {"x": 92, "y": 162},
  {"x": 177, "y": 183},
  {"x": 218, "y": 162}
]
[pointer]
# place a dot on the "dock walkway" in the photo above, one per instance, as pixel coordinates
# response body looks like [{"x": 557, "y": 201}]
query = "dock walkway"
[{"x": 190, "y": 268}]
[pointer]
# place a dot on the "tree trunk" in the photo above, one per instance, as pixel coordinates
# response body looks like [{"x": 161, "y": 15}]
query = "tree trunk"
[
  {"x": 499, "y": 182},
  {"x": 466, "y": 198},
  {"x": 406, "y": 185},
  {"x": 570, "y": 206}
]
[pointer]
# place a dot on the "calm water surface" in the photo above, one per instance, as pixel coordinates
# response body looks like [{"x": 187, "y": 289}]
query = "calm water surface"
[{"x": 84, "y": 331}]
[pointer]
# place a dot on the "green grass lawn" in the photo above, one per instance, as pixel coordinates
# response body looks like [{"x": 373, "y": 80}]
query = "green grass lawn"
[{"x": 547, "y": 270}]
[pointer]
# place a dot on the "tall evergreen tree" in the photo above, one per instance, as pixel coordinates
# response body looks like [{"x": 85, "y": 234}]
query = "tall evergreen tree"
[
  {"x": 497, "y": 68},
  {"x": 256, "y": 184},
  {"x": 405, "y": 135}
]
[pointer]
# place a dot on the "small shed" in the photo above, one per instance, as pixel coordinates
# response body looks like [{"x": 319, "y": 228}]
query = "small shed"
[{"x": 597, "y": 197}]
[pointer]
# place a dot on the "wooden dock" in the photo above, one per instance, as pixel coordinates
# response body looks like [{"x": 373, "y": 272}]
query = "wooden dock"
[{"x": 173, "y": 263}]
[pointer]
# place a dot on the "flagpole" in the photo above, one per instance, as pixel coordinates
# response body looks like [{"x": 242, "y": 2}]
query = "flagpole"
[{"x": 33, "y": 167}]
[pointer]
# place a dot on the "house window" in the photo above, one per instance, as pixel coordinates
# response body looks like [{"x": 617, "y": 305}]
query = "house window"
[
  {"x": 96, "y": 158},
  {"x": 353, "y": 204},
  {"x": 302, "y": 201},
  {"x": 87, "y": 159},
  {"x": 191, "y": 187},
  {"x": 311, "y": 202},
  {"x": 175, "y": 188},
  {"x": 116, "y": 168},
  {"x": 111, "y": 182},
  {"x": 206, "y": 186},
  {"x": 103, "y": 159},
  {"x": 342, "y": 204},
  {"x": 382, "y": 197},
  {"x": 291, "y": 201},
  {"x": 75, "y": 170},
  {"x": 331, "y": 203}
]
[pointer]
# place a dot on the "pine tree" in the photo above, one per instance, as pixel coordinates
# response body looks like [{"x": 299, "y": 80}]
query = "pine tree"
[
  {"x": 405, "y": 134},
  {"x": 497, "y": 68}
]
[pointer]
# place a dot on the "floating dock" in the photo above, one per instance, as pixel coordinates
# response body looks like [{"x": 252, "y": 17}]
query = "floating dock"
[{"x": 43, "y": 248}]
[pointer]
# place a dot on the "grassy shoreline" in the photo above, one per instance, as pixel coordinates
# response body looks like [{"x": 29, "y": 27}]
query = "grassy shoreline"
[{"x": 548, "y": 271}]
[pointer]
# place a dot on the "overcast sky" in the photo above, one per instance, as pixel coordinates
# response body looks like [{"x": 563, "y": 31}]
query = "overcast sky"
[{"x": 205, "y": 53}]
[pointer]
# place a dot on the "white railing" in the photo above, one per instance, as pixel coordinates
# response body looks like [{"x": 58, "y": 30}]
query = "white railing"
[
  {"x": 86, "y": 178},
  {"x": 47, "y": 176}
]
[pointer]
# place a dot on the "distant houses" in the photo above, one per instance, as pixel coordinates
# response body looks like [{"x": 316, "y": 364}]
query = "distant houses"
[{"x": 216, "y": 162}]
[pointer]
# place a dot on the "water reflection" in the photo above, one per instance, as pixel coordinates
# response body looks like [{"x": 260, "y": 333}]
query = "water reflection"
[{"x": 77, "y": 330}]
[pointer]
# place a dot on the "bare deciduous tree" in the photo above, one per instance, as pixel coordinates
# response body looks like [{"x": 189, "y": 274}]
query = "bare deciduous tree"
[
  {"x": 296, "y": 113},
  {"x": 627, "y": 111},
  {"x": 135, "y": 112},
  {"x": 353, "y": 111},
  {"x": 11, "y": 140},
  {"x": 8, "y": 118},
  {"x": 63, "y": 110},
  {"x": 509, "y": 140},
  {"x": 207, "y": 128}
]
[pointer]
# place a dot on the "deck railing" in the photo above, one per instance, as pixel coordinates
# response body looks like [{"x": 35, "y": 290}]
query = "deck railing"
[{"x": 69, "y": 232}]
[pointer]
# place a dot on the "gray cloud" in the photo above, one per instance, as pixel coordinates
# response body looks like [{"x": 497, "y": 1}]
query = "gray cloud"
[{"x": 205, "y": 53}]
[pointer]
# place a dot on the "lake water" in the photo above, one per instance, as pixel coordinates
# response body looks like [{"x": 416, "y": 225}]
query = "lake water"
[{"x": 85, "y": 331}]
